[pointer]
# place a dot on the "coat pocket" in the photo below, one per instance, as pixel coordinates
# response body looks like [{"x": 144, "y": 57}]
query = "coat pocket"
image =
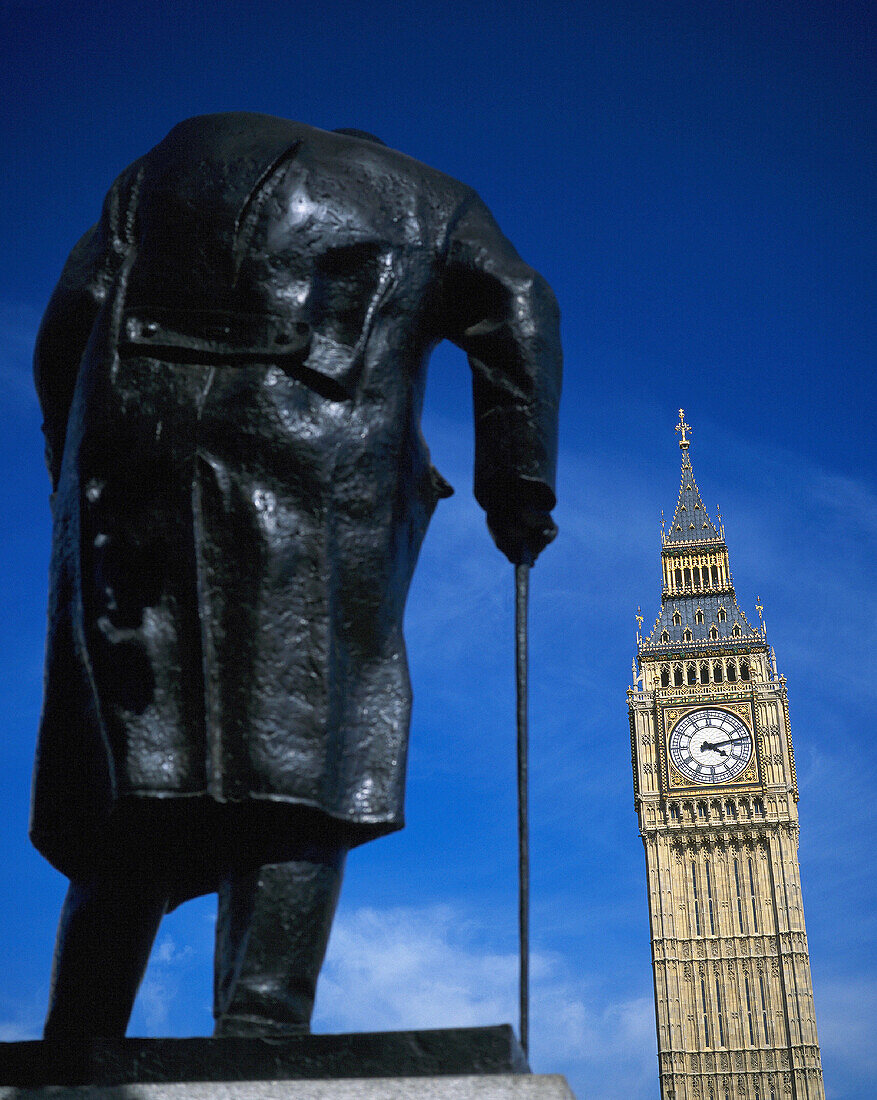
[{"x": 214, "y": 336}]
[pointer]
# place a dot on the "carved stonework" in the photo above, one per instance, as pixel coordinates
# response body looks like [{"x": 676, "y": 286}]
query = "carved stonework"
[{"x": 725, "y": 871}]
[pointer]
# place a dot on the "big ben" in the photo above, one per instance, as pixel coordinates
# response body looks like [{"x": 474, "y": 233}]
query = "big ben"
[{"x": 716, "y": 797}]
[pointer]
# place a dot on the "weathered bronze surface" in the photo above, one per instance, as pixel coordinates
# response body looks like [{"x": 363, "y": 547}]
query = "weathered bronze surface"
[
  {"x": 231, "y": 372},
  {"x": 111, "y": 1063}
]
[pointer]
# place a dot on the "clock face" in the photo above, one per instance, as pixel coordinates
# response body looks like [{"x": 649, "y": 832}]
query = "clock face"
[{"x": 710, "y": 746}]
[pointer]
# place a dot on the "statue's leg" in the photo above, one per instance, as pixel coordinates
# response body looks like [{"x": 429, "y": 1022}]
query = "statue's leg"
[
  {"x": 271, "y": 936},
  {"x": 104, "y": 938}
]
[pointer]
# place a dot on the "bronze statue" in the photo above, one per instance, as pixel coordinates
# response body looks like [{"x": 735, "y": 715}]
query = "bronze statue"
[{"x": 231, "y": 372}]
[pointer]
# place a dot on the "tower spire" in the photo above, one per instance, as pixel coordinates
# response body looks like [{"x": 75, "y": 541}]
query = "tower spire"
[
  {"x": 715, "y": 794},
  {"x": 690, "y": 523}
]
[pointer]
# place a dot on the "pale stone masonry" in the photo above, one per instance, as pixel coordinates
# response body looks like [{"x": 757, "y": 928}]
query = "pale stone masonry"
[
  {"x": 517, "y": 1086},
  {"x": 716, "y": 796}
]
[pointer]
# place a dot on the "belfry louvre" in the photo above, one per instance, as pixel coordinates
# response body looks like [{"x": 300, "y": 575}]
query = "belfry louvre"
[{"x": 716, "y": 796}]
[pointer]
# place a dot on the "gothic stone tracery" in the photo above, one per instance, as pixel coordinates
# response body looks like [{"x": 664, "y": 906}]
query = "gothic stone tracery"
[{"x": 733, "y": 993}]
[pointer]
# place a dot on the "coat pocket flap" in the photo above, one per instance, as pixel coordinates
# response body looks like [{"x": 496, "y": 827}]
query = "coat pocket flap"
[{"x": 215, "y": 334}]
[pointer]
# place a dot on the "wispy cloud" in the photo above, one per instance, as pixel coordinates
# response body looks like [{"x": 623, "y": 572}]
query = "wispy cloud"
[
  {"x": 161, "y": 985},
  {"x": 174, "y": 998},
  {"x": 22, "y": 1020},
  {"x": 412, "y": 968},
  {"x": 406, "y": 968},
  {"x": 846, "y": 1011}
]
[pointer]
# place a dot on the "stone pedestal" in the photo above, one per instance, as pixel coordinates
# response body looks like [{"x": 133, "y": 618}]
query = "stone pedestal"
[
  {"x": 449, "y": 1064},
  {"x": 500, "y": 1086}
]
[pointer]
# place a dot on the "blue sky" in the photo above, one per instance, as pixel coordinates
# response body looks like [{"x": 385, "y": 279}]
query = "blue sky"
[{"x": 696, "y": 180}]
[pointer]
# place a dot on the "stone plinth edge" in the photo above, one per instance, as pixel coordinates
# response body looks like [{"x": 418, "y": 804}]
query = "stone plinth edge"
[
  {"x": 385, "y": 1054},
  {"x": 504, "y": 1086}
]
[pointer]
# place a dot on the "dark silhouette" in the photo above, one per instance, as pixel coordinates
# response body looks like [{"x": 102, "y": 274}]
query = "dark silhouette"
[{"x": 231, "y": 372}]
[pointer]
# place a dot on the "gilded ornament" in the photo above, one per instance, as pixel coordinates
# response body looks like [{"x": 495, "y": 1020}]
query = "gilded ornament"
[{"x": 732, "y": 824}]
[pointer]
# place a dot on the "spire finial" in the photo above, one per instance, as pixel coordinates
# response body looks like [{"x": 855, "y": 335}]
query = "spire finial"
[{"x": 683, "y": 428}]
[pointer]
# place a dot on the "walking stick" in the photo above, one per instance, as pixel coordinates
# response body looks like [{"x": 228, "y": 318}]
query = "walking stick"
[{"x": 522, "y": 588}]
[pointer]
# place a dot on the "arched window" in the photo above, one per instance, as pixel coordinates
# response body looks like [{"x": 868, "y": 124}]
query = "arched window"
[
  {"x": 686, "y": 573},
  {"x": 758, "y": 806},
  {"x": 713, "y": 632},
  {"x": 695, "y": 572},
  {"x": 686, "y": 635},
  {"x": 753, "y": 897},
  {"x": 736, "y": 631},
  {"x": 717, "y": 672},
  {"x": 704, "y": 673},
  {"x": 744, "y": 669},
  {"x": 665, "y": 637},
  {"x": 739, "y": 895},
  {"x": 701, "y": 811},
  {"x": 665, "y": 676},
  {"x": 715, "y": 572},
  {"x": 677, "y": 676},
  {"x": 722, "y": 615},
  {"x": 692, "y": 674},
  {"x": 677, "y": 618},
  {"x": 711, "y": 911},
  {"x": 730, "y": 809},
  {"x": 674, "y": 811},
  {"x": 677, "y": 576},
  {"x": 732, "y": 673},
  {"x": 698, "y": 616}
]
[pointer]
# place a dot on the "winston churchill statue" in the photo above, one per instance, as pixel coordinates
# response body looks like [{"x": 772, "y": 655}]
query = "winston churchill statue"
[{"x": 231, "y": 372}]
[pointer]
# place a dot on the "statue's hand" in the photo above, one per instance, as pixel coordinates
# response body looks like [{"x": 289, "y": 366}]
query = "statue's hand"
[{"x": 523, "y": 535}]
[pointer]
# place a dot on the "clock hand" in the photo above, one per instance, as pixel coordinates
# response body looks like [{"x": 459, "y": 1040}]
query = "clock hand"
[
  {"x": 728, "y": 741},
  {"x": 713, "y": 748}
]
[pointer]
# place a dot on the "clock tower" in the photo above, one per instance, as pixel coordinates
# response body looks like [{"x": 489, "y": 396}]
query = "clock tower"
[{"x": 716, "y": 796}]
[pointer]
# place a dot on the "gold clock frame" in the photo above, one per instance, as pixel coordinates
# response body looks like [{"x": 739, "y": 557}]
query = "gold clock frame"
[{"x": 670, "y": 714}]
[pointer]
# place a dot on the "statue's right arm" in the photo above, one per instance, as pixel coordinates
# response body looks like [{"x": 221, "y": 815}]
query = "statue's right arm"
[
  {"x": 504, "y": 315},
  {"x": 62, "y": 338}
]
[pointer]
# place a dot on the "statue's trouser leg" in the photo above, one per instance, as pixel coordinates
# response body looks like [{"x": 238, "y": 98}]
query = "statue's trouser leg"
[
  {"x": 271, "y": 935},
  {"x": 104, "y": 938}
]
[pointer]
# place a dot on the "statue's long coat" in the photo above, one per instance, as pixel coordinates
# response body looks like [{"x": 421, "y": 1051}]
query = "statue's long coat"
[{"x": 231, "y": 373}]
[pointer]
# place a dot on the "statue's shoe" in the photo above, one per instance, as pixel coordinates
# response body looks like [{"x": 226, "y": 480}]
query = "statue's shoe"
[{"x": 257, "y": 1027}]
